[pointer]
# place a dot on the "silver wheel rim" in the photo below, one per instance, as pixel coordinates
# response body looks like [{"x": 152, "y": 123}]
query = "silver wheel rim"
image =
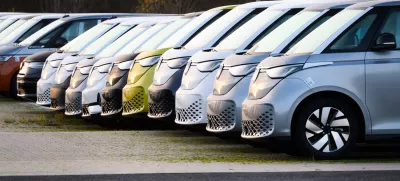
[{"x": 327, "y": 129}]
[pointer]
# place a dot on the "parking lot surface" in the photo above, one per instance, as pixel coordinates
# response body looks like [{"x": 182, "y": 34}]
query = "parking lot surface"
[{"x": 37, "y": 141}]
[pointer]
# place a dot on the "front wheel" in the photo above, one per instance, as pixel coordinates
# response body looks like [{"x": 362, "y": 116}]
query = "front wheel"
[{"x": 326, "y": 128}]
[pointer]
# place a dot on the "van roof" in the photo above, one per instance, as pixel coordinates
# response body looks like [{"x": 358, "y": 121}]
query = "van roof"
[
  {"x": 19, "y": 16},
  {"x": 259, "y": 4},
  {"x": 332, "y": 5},
  {"x": 49, "y": 16},
  {"x": 228, "y": 7},
  {"x": 93, "y": 16},
  {"x": 292, "y": 5},
  {"x": 364, "y": 5}
]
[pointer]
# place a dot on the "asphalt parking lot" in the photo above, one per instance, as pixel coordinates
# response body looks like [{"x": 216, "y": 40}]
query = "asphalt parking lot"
[{"x": 37, "y": 141}]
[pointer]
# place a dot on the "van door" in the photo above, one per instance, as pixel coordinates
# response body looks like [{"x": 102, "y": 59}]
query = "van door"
[{"x": 383, "y": 80}]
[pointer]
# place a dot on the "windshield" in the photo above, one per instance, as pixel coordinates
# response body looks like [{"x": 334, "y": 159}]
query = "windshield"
[
  {"x": 238, "y": 37},
  {"x": 281, "y": 33},
  {"x": 313, "y": 40},
  {"x": 136, "y": 43},
  {"x": 30, "y": 40},
  {"x": 83, "y": 40},
  {"x": 204, "y": 37},
  {"x": 23, "y": 28},
  {"x": 160, "y": 37},
  {"x": 189, "y": 28},
  {"x": 11, "y": 28},
  {"x": 121, "y": 42},
  {"x": 104, "y": 40},
  {"x": 4, "y": 24}
]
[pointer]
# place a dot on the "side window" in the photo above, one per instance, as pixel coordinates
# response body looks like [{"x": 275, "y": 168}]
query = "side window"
[
  {"x": 354, "y": 38},
  {"x": 239, "y": 24},
  {"x": 308, "y": 30},
  {"x": 273, "y": 26},
  {"x": 34, "y": 29},
  {"x": 66, "y": 33},
  {"x": 392, "y": 25},
  {"x": 77, "y": 28}
]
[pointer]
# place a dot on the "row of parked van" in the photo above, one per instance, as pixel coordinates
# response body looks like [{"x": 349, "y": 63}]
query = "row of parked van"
[{"x": 317, "y": 73}]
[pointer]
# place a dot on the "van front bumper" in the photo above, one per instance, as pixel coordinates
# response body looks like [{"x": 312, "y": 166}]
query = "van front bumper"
[
  {"x": 191, "y": 105},
  {"x": 27, "y": 87},
  {"x": 43, "y": 91},
  {"x": 224, "y": 112},
  {"x": 271, "y": 116}
]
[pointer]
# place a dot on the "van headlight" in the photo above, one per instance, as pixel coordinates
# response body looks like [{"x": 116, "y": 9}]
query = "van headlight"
[
  {"x": 208, "y": 66},
  {"x": 284, "y": 71},
  {"x": 97, "y": 74},
  {"x": 177, "y": 63},
  {"x": 54, "y": 63},
  {"x": 79, "y": 76}
]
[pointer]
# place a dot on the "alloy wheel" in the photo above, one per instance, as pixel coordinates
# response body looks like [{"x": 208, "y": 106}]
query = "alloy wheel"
[{"x": 327, "y": 129}]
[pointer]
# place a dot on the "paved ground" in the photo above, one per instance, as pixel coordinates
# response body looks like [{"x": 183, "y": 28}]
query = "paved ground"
[
  {"x": 37, "y": 141},
  {"x": 298, "y": 176}
]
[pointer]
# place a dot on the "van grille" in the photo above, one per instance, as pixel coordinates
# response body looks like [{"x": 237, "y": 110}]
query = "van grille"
[
  {"x": 44, "y": 98},
  {"x": 161, "y": 103},
  {"x": 74, "y": 106},
  {"x": 136, "y": 104},
  {"x": 191, "y": 114},
  {"x": 225, "y": 120},
  {"x": 85, "y": 110},
  {"x": 260, "y": 127}
]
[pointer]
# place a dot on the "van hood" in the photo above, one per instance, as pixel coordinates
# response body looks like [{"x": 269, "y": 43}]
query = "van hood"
[
  {"x": 178, "y": 53},
  {"x": 73, "y": 59},
  {"x": 271, "y": 62},
  {"x": 151, "y": 53},
  {"x": 59, "y": 56},
  {"x": 235, "y": 59},
  {"x": 38, "y": 57},
  {"x": 10, "y": 50},
  {"x": 87, "y": 62},
  {"x": 202, "y": 56}
]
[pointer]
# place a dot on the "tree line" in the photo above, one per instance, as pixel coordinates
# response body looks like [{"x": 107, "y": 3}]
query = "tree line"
[{"x": 108, "y": 6}]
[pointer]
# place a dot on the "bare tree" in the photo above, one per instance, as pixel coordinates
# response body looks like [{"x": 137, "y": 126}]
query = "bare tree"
[{"x": 167, "y": 6}]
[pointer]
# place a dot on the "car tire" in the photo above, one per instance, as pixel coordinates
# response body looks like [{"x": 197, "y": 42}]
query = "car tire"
[{"x": 325, "y": 128}]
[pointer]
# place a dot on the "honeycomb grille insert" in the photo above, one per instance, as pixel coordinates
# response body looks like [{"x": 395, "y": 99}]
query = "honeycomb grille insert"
[
  {"x": 136, "y": 104},
  {"x": 58, "y": 103},
  {"x": 75, "y": 106},
  {"x": 112, "y": 106},
  {"x": 162, "y": 106},
  {"x": 85, "y": 110},
  {"x": 224, "y": 121},
  {"x": 260, "y": 127},
  {"x": 191, "y": 114},
  {"x": 44, "y": 98}
]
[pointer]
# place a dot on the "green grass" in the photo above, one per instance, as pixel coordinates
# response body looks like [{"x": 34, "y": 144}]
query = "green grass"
[{"x": 18, "y": 115}]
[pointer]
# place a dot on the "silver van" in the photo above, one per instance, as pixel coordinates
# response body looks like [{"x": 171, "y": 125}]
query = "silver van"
[
  {"x": 52, "y": 60},
  {"x": 168, "y": 75},
  {"x": 98, "y": 76},
  {"x": 73, "y": 95},
  {"x": 231, "y": 84},
  {"x": 23, "y": 28},
  {"x": 68, "y": 64},
  {"x": 199, "y": 75},
  {"x": 334, "y": 88}
]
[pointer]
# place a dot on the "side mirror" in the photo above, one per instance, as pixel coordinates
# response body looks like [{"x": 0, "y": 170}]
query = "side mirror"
[
  {"x": 385, "y": 41},
  {"x": 61, "y": 42}
]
